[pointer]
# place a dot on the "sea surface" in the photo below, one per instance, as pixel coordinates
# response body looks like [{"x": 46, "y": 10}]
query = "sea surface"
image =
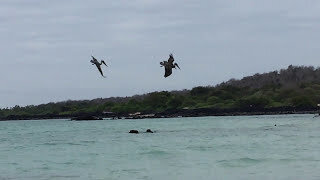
[{"x": 239, "y": 147}]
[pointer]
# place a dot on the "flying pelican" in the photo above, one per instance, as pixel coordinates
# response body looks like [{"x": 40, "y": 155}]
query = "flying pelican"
[
  {"x": 168, "y": 65},
  {"x": 94, "y": 61}
]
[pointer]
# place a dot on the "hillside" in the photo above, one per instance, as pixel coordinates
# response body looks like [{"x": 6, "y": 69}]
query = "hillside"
[{"x": 295, "y": 88}]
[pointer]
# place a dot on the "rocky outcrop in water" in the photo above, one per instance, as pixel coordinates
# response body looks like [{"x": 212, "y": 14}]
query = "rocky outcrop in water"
[
  {"x": 149, "y": 131},
  {"x": 134, "y": 131}
]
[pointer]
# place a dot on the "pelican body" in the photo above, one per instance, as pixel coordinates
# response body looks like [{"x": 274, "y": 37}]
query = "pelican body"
[
  {"x": 94, "y": 61},
  {"x": 168, "y": 65}
]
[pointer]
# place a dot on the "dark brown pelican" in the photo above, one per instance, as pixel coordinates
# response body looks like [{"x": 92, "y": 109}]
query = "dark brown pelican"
[
  {"x": 94, "y": 61},
  {"x": 168, "y": 65}
]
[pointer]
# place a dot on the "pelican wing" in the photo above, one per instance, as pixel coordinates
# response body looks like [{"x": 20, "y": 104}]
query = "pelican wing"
[
  {"x": 93, "y": 58},
  {"x": 94, "y": 61},
  {"x": 99, "y": 68},
  {"x": 171, "y": 59},
  {"x": 168, "y": 71}
]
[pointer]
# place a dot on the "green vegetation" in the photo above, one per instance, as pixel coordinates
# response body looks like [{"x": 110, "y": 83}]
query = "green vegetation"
[{"x": 296, "y": 87}]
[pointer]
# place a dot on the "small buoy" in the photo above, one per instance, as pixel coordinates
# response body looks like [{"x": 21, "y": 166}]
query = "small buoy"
[{"x": 275, "y": 125}]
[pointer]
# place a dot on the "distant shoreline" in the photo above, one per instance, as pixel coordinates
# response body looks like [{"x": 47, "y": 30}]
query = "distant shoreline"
[
  {"x": 294, "y": 90},
  {"x": 171, "y": 114}
]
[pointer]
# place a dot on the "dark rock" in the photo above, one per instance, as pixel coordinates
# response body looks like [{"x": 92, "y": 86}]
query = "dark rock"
[
  {"x": 85, "y": 118},
  {"x": 134, "y": 131},
  {"x": 149, "y": 131}
]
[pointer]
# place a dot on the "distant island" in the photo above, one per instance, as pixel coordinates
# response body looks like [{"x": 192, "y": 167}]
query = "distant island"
[{"x": 292, "y": 90}]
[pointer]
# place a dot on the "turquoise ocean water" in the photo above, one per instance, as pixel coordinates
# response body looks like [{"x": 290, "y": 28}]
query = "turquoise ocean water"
[{"x": 245, "y": 147}]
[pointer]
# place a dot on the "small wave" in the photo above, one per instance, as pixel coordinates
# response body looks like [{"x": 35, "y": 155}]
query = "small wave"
[
  {"x": 170, "y": 131},
  {"x": 50, "y": 144},
  {"x": 13, "y": 163},
  {"x": 133, "y": 171},
  {"x": 88, "y": 142},
  {"x": 74, "y": 144},
  {"x": 3, "y": 140},
  {"x": 59, "y": 163},
  {"x": 93, "y": 154},
  {"x": 287, "y": 160},
  {"x": 20, "y": 147},
  {"x": 250, "y": 160},
  {"x": 66, "y": 163},
  {"x": 64, "y": 176},
  {"x": 44, "y": 168},
  {"x": 294, "y": 160},
  {"x": 68, "y": 143},
  {"x": 201, "y": 148},
  {"x": 154, "y": 152},
  {"x": 266, "y": 128},
  {"x": 241, "y": 162},
  {"x": 313, "y": 136}
]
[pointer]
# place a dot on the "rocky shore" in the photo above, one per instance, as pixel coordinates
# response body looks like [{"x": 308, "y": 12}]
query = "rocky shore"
[
  {"x": 86, "y": 118},
  {"x": 173, "y": 113}
]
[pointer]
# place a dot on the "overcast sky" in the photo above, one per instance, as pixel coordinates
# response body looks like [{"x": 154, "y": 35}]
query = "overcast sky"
[{"x": 46, "y": 45}]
